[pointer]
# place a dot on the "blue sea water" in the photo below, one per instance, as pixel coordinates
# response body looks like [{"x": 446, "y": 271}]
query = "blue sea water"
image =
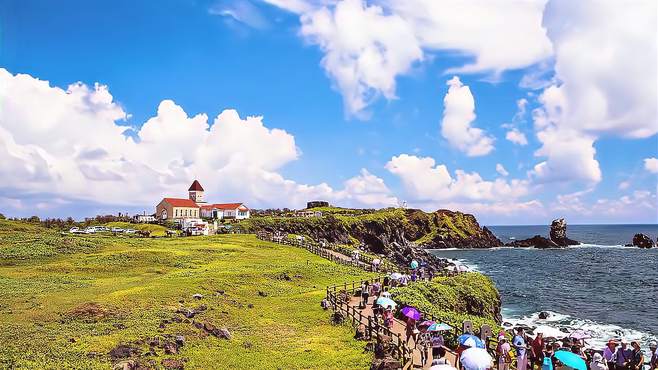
[{"x": 601, "y": 287}]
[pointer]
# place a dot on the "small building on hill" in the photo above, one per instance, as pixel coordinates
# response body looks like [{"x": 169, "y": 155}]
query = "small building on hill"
[
  {"x": 195, "y": 206},
  {"x": 221, "y": 211},
  {"x": 317, "y": 204}
]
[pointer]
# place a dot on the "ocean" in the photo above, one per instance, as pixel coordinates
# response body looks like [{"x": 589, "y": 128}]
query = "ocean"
[{"x": 602, "y": 287}]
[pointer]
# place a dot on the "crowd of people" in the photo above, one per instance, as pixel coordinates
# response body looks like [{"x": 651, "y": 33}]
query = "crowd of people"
[{"x": 539, "y": 353}]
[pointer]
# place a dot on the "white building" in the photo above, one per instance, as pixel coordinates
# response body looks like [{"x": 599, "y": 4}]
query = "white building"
[
  {"x": 237, "y": 211},
  {"x": 144, "y": 218}
]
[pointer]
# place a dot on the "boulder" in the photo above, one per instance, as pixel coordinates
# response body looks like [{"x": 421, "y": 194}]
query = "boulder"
[
  {"x": 544, "y": 315},
  {"x": 558, "y": 233},
  {"x": 642, "y": 241}
]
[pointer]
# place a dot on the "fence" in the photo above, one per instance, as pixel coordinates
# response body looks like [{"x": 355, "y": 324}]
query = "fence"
[{"x": 339, "y": 301}]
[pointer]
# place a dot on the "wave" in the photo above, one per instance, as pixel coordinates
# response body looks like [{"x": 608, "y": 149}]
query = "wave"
[{"x": 560, "y": 325}]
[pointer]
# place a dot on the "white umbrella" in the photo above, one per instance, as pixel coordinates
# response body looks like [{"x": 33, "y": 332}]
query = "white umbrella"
[
  {"x": 476, "y": 359},
  {"x": 396, "y": 275},
  {"x": 376, "y": 261},
  {"x": 386, "y": 295}
]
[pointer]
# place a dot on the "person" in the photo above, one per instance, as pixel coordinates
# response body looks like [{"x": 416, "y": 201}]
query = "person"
[
  {"x": 547, "y": 363},
  {"x": 537, "y": 350},
  {"x": 386, "y": 281},
  {"x": 520, "y": 347},
  {"x": 439, "y": 357},
  {"x": 609, "y": 354},
  {"x": 622, "y": 356},
  {"x": 411, "y": 330},
  {"x": 375, "y": 264},
  {"x": 637, "y": 357},
  {"x": 554, "y": 360},
  {"x": 653, "y": 364},
  {"x": 365, "y": 293},
  {"x": 431, "y": 274},
  {"x": 502, "y": 352},
  {"x": 598, "y": 363},
  {"x": 437, "y": 341},
  {"x": 388, "y": 318},
  {"x": 414, "y": 277}
]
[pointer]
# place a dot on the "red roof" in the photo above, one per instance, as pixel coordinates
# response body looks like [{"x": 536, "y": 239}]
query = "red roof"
[
  {"x": 178, "y": 202},
  {"x": 195, "y": 186},
  {"x": 230, "y": 206}
]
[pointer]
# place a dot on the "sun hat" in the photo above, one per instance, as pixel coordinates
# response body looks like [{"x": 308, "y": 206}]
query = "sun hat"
[{"x": 653, "y": 344}]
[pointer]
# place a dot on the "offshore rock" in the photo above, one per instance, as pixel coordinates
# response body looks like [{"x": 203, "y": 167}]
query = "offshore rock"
[
  {"x": 559, "y": 233},
  {"x": 642, "y": 241},
  {"x": 536, "y": 241}
]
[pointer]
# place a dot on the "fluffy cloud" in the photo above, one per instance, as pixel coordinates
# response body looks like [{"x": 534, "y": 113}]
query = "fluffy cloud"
[
  {"x": 425, "y": 181},
  {"x": 651, "y": 164},
  {"x": 517, "y": 137},
  {"x": 501, "y": 170},
  {"x": 458, "y": 115},
  {"x": 70, "y": 144},
  {"x": 368, "y": 44},
  {"x": 638, "y": 206},
  {"x": 604, "y": 56}
]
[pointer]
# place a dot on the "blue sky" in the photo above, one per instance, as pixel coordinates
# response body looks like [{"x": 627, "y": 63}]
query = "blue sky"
[{"x": 269, "y": 59}]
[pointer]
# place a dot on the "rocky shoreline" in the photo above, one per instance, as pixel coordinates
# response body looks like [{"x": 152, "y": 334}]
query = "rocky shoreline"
[{"x": 557, "y": 238}]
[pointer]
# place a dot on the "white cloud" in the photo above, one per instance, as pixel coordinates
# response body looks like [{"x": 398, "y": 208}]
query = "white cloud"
[
  {"x": 242, "y": 11},
  {"x": 651, "y": 164},
  {"x": 624, "y": 185},
  {"x": 638, "y": 206},
  {"x": 501, "y": 170},
  {"x": 605, "y": 52},
  {"x": 368, "y": 44},
  {"x": 425, "y": 181},
  {"x": 68, "y": 144},
  {"x": 517, "y": 137},
  {"x": 458, "y": 116}
]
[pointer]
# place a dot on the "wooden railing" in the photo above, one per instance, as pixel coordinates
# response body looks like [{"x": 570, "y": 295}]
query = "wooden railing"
[{"x": 338, "y": 296}]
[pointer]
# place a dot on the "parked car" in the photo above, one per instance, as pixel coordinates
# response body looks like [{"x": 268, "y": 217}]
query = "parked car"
[
  {"x": 102, "y": 228},
  {"x": 90, "y": 230},
  {"x": 117, "y": 230},
  {"x": 76, "y": 230},
  {"x": 129, "y": 231}
]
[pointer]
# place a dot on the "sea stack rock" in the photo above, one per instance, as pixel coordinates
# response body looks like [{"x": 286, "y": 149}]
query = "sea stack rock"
[
  {"x": 559, "y": 233},
  {"x": 642, "y": 241},
  {"x": 536, "y": 241}
]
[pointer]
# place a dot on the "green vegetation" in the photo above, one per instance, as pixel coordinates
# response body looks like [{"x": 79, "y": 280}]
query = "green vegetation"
[
  {"x": 470, "y": 296},
  {"x": 67, "y": 301}
]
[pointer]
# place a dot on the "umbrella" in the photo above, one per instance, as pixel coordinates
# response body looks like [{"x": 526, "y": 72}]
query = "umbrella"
[
  {"x": 476, "y": 359},
  {"x": 386, "y": 302},
  {"x": 571, "y": 360},
  {"x": 462, "y": 268},
  {"x": 413, "y": 264},
  {"x": 386, "y": 294},
  {"x": 579, "y": 334},
  {"x": 376, "y": 261},
  {"x": 442, "y": 367},
  {"x": 439, "y": 327},
  {"x": 468, "y": 340},
  {"x": 451, "y": 268},
  {"x": 411, "y": 313},
  {"x": 396, "y": 275},
  {"x": 427, "y": 323}
]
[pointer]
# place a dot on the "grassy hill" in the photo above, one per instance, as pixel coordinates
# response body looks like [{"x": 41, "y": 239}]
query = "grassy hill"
[{"x": 68, "y": 301}]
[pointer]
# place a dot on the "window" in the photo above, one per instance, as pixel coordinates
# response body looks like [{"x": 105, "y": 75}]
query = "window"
[{"x": 176, "y": 212}]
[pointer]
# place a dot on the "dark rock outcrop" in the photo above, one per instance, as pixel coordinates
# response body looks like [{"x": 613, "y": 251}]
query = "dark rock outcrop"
[
  {"x": 536, "y": 241},
  {"x": 642, "y": 241},
  {"x": 559, "y": 233}
]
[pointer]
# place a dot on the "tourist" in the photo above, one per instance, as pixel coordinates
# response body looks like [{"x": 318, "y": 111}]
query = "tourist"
[
  {"x": 414, "y": 277},
  {"x": 554, "y": 360},
  {"x": 622, "y": 356},
  {"x": 431, "y": 274},
  {"x": 519, "y": 344},
  {"x": 388, "y": 318},
  {"x": 537, "y": 350},
  {"x": 386, "y": 281},
  {"x": 437, "y": 341},
  {"x": 375, "y": 264},
  {"x": 653, "y": 364},
  {"x": 609, "y": 354},
  {"x": 598, "y": 363},
  {"x": 503, "y": 353},
  {"x": 637, "y": 357},
  {"x": 548, "y": 354},
  {"x": 439, "y": 357},
  {"x": 411, "y": 330},
  {"x": 365, "y": 293}
]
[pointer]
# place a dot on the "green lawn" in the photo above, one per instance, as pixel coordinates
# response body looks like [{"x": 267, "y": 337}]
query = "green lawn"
[{"x": 133, "y": 284}]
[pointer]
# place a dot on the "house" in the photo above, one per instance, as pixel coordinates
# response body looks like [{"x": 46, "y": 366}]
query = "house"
[
  {"x": 195, "y": 206},
  {"x": 237, "y": 211}
]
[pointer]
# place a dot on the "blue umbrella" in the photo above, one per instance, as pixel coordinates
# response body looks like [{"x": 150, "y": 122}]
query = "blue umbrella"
[
  {"x": 571, "y": 360},
  {"x": 386, "y": 302},
  {"x": 468, "y": 340},
  {"x": 439, "y": 327},
  {"x": 414, "y": 264}
]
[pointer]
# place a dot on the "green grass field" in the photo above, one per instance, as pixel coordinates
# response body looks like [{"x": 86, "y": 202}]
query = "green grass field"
[{"x": 67, "y": 301}]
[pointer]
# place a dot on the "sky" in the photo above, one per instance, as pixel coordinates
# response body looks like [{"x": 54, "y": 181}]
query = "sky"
[{"x": 516, "y": 111}]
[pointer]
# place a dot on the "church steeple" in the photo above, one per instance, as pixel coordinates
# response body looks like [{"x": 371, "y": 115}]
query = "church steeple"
[{"x": 196, "y": 192}]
